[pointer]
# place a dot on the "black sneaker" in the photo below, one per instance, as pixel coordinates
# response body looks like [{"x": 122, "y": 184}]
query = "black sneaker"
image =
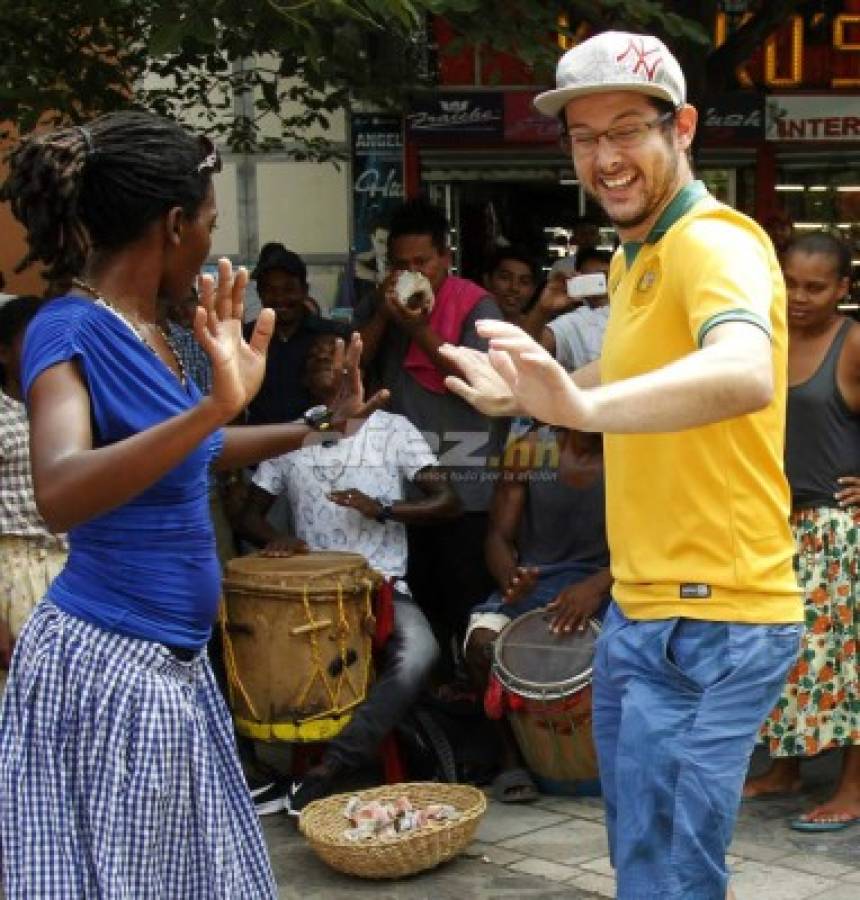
[
  {"x": 260, "y": 788},
  {"x": 270, "y": 798},
  {"x": 301, "y": 793}
]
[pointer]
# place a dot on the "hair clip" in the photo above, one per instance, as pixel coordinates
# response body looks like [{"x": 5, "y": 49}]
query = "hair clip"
[{"x": 211, "y": 161}]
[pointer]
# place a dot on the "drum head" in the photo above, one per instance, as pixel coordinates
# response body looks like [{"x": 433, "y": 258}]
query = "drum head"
[
  {"x": 535, "y": 663},
  {"x": 318, "y": 572}
]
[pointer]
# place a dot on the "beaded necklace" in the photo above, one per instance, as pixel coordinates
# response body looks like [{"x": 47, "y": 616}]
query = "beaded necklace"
[{"x": 135, "y": 326}]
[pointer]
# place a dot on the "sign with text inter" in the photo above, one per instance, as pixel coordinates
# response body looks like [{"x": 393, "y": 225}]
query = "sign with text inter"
[{"x": 812, "y": 118}]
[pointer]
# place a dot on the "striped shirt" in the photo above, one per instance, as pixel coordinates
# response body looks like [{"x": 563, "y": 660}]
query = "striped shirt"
[{"x": 194, "y": 358}]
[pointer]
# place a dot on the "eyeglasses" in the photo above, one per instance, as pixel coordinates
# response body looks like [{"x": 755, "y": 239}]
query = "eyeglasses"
[
  {"x": 621, "y": 137},
  {"x": 210, "y": 157}
]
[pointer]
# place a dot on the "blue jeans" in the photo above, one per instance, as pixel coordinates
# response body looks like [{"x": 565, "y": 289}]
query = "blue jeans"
[
  {"x": 407, "y": 659},
  {"x": 677, "y": 707}
]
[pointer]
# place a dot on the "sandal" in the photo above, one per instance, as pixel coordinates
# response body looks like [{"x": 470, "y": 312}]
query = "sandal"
[
  {"x": 817, "y": 826},
  {"x": 514, "y": 786}
]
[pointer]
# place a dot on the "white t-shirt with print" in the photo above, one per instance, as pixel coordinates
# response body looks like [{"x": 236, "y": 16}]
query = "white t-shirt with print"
[
  {"x": 579, "y": 335},
  {"x": 387, "y": 451}
]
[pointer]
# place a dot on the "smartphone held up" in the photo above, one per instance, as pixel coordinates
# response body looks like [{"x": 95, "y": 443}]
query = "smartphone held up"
[{"x": 581, "y": 287}]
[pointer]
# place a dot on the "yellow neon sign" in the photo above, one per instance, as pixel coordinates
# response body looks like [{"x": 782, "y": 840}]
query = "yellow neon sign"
[
  {"x": 774, "y": 74},
  {"x": 841, "y": 42},
  {"x": 721, "y": 31},
  {"x": 771, "y": 77}
]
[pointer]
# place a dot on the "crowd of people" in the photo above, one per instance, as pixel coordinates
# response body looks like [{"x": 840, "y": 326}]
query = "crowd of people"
[{"x": 673, "y": 464}]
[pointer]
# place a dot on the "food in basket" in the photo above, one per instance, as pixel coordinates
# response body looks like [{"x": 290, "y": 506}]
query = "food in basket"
[
  {"x": 389, "y": 820},
  {"x": 414, "y": 291}
]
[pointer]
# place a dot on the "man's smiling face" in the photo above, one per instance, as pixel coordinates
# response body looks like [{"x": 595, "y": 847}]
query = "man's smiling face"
[{"x": 633, "y": 183}]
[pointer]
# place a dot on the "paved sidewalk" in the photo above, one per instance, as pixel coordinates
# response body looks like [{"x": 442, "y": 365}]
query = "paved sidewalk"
[{"x": 556, "y": 848}]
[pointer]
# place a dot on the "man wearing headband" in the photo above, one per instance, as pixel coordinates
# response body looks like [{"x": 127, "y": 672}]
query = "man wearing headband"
[{"x": 690, "y": 395}]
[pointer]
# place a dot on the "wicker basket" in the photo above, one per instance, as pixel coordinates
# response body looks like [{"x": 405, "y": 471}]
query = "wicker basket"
[{"x": 323, "y": 823}]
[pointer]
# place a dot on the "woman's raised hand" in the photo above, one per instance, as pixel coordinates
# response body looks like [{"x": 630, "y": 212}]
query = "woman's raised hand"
[{"x": 238, "y": 365}]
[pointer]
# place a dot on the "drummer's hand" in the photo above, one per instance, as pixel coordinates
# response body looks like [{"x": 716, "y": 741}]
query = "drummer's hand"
[
  {"x": 574, "y": 606},
  {"x": 284, "y": 545},
  {"x": 521, "y": 584},
  {"x": 349, "y": 403},
  {"x": 353, "y": 499},
  {"x": 238, "y": 365}
]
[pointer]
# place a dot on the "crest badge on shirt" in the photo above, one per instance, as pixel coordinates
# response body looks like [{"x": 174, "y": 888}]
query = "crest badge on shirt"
[
  {"x": 647, "y": 285},
  {"x": 647, "y": 281}
]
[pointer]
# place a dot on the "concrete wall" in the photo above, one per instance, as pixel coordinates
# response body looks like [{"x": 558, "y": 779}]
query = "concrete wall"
[{"x": 261, "y": 197}]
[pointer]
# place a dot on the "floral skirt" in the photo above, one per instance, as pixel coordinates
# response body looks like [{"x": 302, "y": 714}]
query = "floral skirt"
[{"x": 820, "y": 705}]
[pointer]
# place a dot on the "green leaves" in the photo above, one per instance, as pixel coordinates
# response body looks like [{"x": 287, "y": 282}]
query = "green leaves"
[{"x": 294, "y": 62}]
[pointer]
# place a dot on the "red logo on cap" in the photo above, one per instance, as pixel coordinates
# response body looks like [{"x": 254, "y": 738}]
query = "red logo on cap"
[{"x": 638, "y": 62}]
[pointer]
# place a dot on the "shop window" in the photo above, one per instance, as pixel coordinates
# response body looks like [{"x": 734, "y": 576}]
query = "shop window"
[{"x": 829, "y": 200}]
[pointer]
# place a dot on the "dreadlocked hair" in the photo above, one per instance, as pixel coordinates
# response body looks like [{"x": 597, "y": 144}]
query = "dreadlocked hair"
[{"x": 98, "y": 187}]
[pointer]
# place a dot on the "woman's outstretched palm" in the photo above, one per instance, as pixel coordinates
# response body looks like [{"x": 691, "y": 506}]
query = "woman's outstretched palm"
[{"x": 238, "y": 365}]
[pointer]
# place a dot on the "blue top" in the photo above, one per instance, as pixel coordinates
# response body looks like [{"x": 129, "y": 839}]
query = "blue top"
[{"x": 147, "y": 569}]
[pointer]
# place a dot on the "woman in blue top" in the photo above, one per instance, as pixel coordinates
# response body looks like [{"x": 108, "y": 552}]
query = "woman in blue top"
[{"x": 118, "y": 774}]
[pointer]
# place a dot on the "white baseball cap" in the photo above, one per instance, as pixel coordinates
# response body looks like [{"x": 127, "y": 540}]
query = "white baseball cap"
[{"x": 615, "y": 61}]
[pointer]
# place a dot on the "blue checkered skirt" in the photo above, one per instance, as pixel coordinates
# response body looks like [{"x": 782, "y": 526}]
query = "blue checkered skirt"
[{"x": 119, "y": 778}]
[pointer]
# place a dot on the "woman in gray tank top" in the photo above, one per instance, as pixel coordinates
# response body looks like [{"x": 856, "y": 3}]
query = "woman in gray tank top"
[{"x": 820, "y": 706}]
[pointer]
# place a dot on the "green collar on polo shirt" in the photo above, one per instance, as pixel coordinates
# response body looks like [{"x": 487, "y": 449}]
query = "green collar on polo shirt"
[{"x": 689, "y": 195}]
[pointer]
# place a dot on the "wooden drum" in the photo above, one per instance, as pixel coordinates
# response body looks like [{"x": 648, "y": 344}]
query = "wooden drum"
[
  {"x": 297, "y": 636},
  {"x": 546, "y": 685}
]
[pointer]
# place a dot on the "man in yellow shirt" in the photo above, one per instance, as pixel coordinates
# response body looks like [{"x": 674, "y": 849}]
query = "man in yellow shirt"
[{"x": 690, "y": 395}]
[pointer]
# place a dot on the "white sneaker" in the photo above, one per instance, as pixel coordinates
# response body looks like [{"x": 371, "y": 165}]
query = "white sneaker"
[{"x": 270, "y": 799}]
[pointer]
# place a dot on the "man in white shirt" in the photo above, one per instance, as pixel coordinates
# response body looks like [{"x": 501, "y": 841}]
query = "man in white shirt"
[
  {"x": 573, "y": 336},
  {"x": 349, "y": 495}
]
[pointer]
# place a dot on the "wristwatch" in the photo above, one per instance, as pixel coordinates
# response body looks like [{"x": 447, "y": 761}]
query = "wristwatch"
[
  {"x": 386, "y": 512},
  {"x": 318, "y": 418}
]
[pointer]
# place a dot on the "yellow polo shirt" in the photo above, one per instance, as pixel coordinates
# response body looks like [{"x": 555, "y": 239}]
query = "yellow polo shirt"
[{"x": 698, "y": 519}]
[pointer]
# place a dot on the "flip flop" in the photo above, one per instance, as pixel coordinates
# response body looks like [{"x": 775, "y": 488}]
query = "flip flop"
[
  {"x": 813, "y": 827},
  {"x": 514, "y": 786}
]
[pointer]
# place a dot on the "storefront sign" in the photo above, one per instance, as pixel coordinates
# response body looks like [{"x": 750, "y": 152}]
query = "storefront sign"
[
  {"x": 811, "y": 118},
  {"x": 739, "y": 115},
  {"x": 524, "y": 124},
  {"x": 478, "y": 115},
  {"x": 377, "y": 172}
]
